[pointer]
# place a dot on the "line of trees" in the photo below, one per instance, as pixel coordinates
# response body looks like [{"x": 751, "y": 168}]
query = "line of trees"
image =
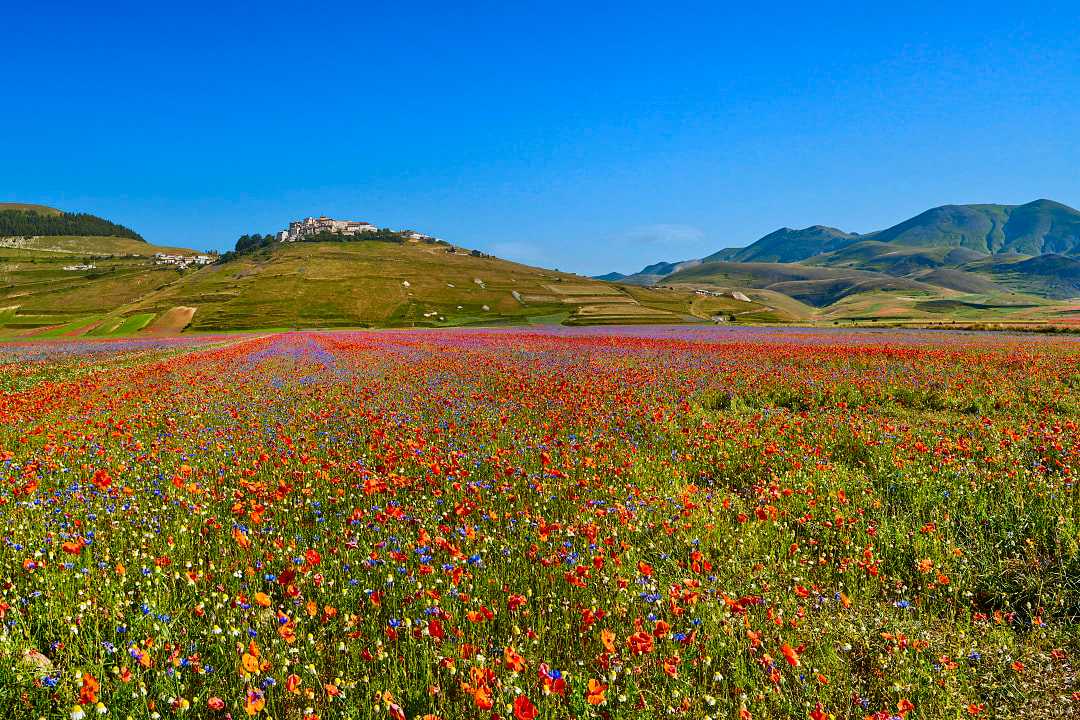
[
  {"x": 253, "y": 242},
  {"x": 25, "y": 223},
  {"x": 250, "y": 243},
  {"x": 380, "y": 235}
]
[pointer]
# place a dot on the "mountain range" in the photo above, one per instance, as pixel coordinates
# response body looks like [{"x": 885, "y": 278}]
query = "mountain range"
[
  {"x": 73, "y": 274},
  {"x": 1009, "y": 259}
]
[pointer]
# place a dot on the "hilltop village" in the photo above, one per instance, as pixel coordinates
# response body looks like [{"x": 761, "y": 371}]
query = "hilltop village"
[{"x": 311, "y": 226}]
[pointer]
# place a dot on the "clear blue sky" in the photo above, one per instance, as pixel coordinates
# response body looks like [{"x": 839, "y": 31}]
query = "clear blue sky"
[{"x": 583, "y": 136}]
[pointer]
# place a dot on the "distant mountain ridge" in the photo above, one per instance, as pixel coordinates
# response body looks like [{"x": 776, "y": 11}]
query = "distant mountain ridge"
[
  {"x": 788, "y": 245},
  {"x": 1036, "y": 228}
]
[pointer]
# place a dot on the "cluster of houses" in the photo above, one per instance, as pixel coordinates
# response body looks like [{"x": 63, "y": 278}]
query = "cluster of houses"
[
  {"x": 79, "y": 266},
  {"x": 182, "y": 262},
  {"x": 300, "y": 229},
  {"x": 315, "y": 225}
]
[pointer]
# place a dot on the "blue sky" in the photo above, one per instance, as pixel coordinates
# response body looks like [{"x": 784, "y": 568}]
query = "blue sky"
[{"x": 583, "y": 136}]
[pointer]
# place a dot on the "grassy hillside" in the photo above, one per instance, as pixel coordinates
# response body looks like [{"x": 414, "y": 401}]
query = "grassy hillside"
[
  {"x": 29, "y": 207},
  {"x": 816, "y": 286},
  {"x": 893, "y": 259},
  {"x": 91, "y": 246},
  {"x": 37, "y": 292},
  {"x": 364, "y": 283},
  {"x": 1052, "y": 276},
  {"x": 829, "y": 294}
]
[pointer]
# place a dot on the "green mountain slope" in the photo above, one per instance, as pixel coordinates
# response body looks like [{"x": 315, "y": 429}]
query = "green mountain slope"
[
  {"x": 1052, "y": 276},
  {"x": 1035, "y": 228},
  {"x": 786, "y": 245},
  {"x": 894, "y": 259},
  {"x": 969, "y": 262}
]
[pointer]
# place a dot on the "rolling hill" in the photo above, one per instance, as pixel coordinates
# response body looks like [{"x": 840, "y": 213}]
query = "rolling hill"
[
  {"x": 814, "y": 286},
  {"x": 370, "y": 283}
]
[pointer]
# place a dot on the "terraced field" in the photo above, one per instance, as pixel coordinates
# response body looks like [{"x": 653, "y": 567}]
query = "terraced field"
[{"x": 364, "y": 283}]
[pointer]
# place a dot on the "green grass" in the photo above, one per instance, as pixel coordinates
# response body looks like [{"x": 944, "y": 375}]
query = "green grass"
[
  {"x": 97, "y": 246},
  {"x": 122, "y": 326}
]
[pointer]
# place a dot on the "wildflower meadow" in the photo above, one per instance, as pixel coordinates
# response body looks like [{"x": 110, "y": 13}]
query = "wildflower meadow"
[{"x": 540, "y": 524}]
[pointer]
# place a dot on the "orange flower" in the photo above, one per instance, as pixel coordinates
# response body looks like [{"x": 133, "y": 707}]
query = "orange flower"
[
  {"x": 513, "y": 660},
  {"x": 250, "y": 663},
  {"x": 292, "y": 683},
  {"x": 790, "y": 655},
  {"x": 241, "y": 538},
  {"x": 255, "y": 702},
  {"x": 607, "y": 637},
  {"x": 73, "y": 547},
  {"x": 482, "y": 698},
  {"x": 88, "y": 693},
  {"x": 262, "y": 599},
  {"x": 595, "y": 694}
]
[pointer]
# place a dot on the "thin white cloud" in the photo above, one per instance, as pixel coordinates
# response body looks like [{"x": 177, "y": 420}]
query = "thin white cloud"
[
  {"x": 663, "y": 234},
  {"x": 521, "y": 252}
]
